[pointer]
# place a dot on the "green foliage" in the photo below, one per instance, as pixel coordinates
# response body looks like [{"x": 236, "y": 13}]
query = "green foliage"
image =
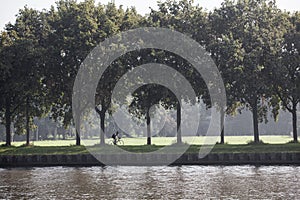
[
  {"x": 284, "y": 72},
  {"x": 23, "y": 95},
  {"x": 245, "y": 35},
  {"x": 254, "y": 44}
]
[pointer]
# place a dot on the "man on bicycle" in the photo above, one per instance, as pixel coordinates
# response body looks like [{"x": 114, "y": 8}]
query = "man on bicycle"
[{"x": 115, "y": 136}]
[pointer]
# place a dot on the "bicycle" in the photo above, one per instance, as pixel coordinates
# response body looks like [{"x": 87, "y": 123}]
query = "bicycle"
[{"x": 119, "y": 141}]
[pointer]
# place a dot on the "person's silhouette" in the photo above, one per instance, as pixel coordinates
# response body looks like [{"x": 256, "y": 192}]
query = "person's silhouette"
[{"x": 115, "y": 137}]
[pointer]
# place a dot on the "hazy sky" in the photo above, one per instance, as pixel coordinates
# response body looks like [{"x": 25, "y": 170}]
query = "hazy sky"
[{"x": 10, "y": 8}]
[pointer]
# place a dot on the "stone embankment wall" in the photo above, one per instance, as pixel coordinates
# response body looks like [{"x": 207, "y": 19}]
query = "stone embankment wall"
[{"x": 185, "y": 159}]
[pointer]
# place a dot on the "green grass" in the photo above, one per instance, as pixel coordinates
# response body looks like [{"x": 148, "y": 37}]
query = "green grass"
[
  {"x": 235, "y": 144},
  {"x": 46, "y": 143},
  {"x": 226, "y": 148},
  {"x": 43, "y": 150},
  {"x": 198, "y": 140},
  {"x": 163, "y": 141}
]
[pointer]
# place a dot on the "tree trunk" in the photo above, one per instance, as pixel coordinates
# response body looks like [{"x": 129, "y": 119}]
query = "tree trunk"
[
  {"x": 37, "y": 134},
  {"x": 55, "y": 134},
  {"x": 64, "y": 134},
  {"x": 27, "y": 122},
  {"x": 102, "y": 131},
  {"x": 77, "y": 128},
  {"x": 8, "y": 123},
  {"x": 101, "y": 113},
  {"x": 179, "y": 138},
  {"x": 294, "y": 113},
  {"x": 148, "y": 128},
  {"x": 222, "y": 120},
  {"x": 255, "y": 121},
  {"x": 77, "y": 138}
]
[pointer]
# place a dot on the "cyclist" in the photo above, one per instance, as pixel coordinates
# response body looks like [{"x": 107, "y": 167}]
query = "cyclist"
[{"x": 115, "y": 136}]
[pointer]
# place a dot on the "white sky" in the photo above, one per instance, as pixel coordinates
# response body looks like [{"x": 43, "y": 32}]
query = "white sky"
[{"x": 10, "y": 8}]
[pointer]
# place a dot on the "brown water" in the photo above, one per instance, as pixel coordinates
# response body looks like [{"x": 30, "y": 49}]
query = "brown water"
[{"x": 186, "y": 182}]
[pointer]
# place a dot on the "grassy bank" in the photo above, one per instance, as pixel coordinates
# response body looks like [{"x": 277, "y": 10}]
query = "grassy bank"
[
  {"x": 162, "y": 141},
  {"x": 235, "y": 144},
  {"x": 67, "y": 150}
]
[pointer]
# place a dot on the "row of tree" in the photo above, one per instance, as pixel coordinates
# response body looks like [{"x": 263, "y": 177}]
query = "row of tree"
[{"x": 254, "y": 44}]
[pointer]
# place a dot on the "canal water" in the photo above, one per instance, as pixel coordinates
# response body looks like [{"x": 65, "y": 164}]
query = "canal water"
[{"x": 185, "y": 182}]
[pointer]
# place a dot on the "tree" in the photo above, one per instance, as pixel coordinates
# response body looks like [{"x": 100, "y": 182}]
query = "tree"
[
  {"x": 76, "y": 29},
  {"x": 7, "y": 90},
  {"x": 250, "y": 31},
  {"x": 222, "y": 53},
  {"x": 25, "y": 58},
  {"x": 74, "y": 32},
  {"x": 190, "y": 20},
  {"x": 20, "y": 95},
  {"x": 122, "y": 22},
  {"x": 149, "y": 95},
  {"x": 284, "y": 72}
]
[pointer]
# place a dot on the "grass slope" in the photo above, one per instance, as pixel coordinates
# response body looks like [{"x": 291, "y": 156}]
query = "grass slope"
[
  {"x": 67, "y": 150},
  {"x": 163, "y": 141},
  {"x": 235, "y": 144}
]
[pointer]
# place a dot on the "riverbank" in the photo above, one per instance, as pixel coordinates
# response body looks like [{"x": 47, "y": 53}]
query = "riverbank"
[
  {"x": 219, "y": 148},
  {"x": 263, "y": 154},
  {"x": 128, "y": 159},
  {"x": 137, "y": 141}
]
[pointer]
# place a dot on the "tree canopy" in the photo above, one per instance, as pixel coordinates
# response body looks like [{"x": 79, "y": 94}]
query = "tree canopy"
[{"x": 254, "y": 44}]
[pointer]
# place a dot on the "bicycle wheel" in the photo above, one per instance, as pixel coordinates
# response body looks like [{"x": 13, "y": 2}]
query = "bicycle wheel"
[
  {"x": 120, "y": 142},
  {"x": 111, "y": 142}
]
